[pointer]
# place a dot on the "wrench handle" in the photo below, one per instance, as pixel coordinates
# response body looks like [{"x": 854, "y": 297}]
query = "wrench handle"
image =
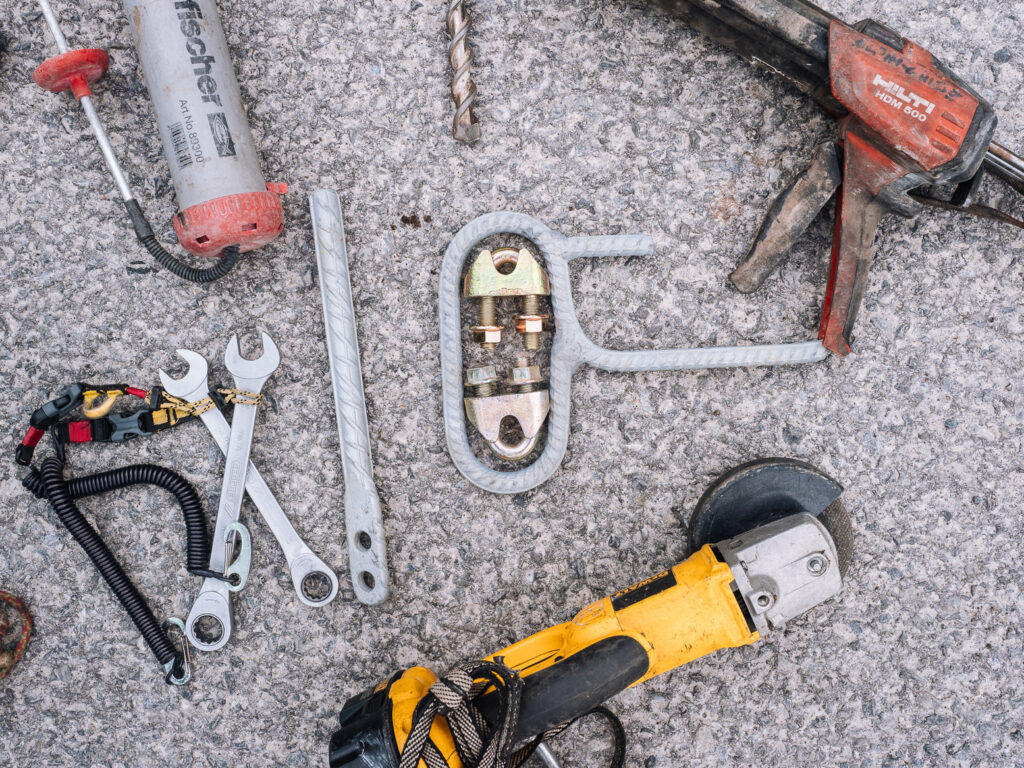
[
  {"x": 301, "y": 559},
  {"x": 233, "y": 487}
]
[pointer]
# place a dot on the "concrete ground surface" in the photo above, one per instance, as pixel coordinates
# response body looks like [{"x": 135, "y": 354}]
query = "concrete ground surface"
[{"x": 598, "y": 118}]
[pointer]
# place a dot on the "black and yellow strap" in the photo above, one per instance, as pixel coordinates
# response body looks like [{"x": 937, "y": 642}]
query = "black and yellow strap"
[{"x": 163, "y": 411}]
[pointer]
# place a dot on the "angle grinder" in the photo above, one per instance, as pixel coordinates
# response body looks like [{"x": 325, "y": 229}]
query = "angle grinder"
[{"x": 770, "y": 540}]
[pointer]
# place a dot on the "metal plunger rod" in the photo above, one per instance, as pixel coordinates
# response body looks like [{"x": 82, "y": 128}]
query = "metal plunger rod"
[
  {"x": 547, "y": 756},
  {"x": 51, "y": 21},
  {"x": 1005, "y": 163},
  {"x": 90, "y": 111}
]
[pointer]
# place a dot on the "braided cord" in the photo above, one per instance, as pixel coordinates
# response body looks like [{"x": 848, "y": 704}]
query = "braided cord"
[
  {"x": 232, "y": 395},
  {"x": 238, "y": 396}
]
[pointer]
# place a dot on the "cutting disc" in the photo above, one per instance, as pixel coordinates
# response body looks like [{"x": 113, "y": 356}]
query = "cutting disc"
[{"x": 766, "y": 490}]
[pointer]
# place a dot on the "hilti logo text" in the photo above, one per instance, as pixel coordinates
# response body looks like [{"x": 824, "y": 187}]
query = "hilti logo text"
[
  {"x": 189, "y": 13},
  {"x": 895, "y": 95}
]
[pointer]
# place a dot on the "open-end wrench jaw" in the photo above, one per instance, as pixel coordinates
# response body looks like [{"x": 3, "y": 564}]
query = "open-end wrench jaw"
[
  {"x": 252, "y": 374},
  {"x": 193, "y": 385}
]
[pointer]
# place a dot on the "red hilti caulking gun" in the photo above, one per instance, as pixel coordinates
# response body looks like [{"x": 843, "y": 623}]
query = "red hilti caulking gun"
[
  {"x": 226, "y": 206},
  {"x": 906, "y": 124}
]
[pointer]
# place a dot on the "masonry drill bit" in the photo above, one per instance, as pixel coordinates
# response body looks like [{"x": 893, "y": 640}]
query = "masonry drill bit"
[{"x": 464, "y": 127}]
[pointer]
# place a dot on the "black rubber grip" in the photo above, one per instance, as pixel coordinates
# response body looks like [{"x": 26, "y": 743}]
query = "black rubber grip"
[
  {"x": 744, "y": 27},
  {"x": 197, "y": 547},
  {"x": 574, "y": 686},
  {"x": 55, "y": 488}
]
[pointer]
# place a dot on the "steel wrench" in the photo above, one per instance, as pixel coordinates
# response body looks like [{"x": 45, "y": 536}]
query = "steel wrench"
[
  {"x": 302, "y": 562},
  {"x": 214, "y": 600}
]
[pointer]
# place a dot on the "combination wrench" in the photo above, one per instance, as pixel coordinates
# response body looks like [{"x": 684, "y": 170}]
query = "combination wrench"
[
  {"x": 214, "y": 600},
  {"x": 305, "y": 567}
]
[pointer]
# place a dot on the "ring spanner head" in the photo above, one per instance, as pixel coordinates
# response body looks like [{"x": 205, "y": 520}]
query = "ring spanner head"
[
  {"x": 193, "y": 385},
  {"x": 252, "y": 374},
  {"x": 210, "y": 622}
]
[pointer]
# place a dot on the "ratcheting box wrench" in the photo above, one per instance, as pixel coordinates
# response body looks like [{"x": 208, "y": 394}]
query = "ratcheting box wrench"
[
  {"x": 363, "y": 521},
  {"x": 304, "y": 565},
  {"x": 571, "y": 347},
  {"x": 214, "y": 600}
]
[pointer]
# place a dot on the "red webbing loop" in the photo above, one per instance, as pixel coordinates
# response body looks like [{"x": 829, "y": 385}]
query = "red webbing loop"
[
  {"x": 80, "y": 432},
  {"x": 32, "y": 437}
]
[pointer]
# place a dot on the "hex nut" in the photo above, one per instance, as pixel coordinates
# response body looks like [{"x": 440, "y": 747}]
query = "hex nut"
[
  {"x": 486, "y": 374},
  {"x": 531, "y": 323},
  {"x": 487, "y": 334},
  {"x": 526, "y": 374}
]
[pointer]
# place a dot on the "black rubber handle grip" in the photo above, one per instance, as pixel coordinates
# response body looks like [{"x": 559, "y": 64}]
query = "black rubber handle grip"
[
  {"x": 574, "y": 686},
  {"x": 767, "y": 31}
]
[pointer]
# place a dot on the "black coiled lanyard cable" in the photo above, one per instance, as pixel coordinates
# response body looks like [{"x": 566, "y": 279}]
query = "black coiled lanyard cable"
[{"x": 49, "y": 482}]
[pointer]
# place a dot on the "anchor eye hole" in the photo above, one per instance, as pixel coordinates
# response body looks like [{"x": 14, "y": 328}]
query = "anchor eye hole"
[
  {"x": 505, "y": 260},
  {"x": 511, "y": 431}
]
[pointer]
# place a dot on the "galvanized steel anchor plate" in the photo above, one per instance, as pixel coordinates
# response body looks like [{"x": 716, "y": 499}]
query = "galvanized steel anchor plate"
[{"x": 571, "y": 347}]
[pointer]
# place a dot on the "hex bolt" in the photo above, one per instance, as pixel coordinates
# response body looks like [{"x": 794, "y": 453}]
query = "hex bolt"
[
  {"x": 488, "y": 333},
  {"x": 483, "y": 380},
  {"x": 817, "y": 565},
  {"x": 531, "y": 323},
  {"x": 525, "y": 377},
  {"x": 488, "y": 310}
]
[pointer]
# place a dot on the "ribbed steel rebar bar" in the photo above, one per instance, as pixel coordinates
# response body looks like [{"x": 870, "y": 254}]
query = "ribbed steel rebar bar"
[{"x": 363, "y": 520}]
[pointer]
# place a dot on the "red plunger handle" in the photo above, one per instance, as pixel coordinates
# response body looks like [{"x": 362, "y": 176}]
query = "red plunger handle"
[{"x": 72, "y": 71}]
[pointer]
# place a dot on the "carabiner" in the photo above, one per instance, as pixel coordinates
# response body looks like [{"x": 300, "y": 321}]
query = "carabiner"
[
  {"x": 182, "y": 660},
  {"x": 110, "y": 396},
  {"x": 236, "y": 575}
]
